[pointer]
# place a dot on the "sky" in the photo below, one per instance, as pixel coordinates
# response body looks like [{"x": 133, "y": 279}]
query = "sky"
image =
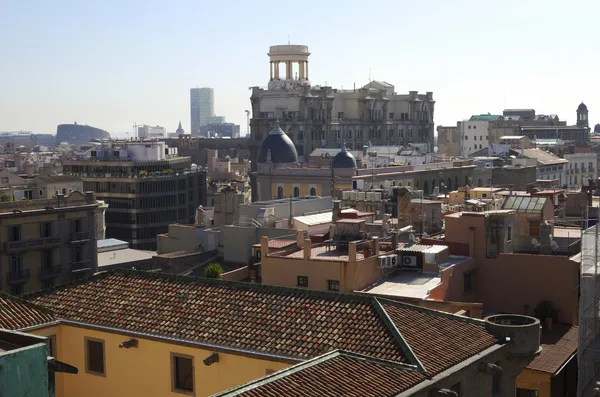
[{"x": 112, "y": 64}]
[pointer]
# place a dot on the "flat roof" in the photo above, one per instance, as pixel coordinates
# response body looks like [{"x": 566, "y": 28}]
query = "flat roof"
[
  {"x": 315, "y": 219},
  {"x": 123, "y": 256},
  {"x": 406, "y": 284}
]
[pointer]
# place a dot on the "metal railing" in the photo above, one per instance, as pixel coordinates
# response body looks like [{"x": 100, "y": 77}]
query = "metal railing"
[
  {"x": 31, "y": 243},
  {"x": 81, "y": 266},
  {"x": 20, "y": 276},
  {"x": 50, "y": 271}
]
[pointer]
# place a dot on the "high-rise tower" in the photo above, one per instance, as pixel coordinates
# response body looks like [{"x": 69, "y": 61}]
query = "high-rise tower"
[{"x": 202, "y": 108}]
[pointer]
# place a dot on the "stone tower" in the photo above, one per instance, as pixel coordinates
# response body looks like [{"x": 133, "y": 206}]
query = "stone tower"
[{"x": 582, "y": 116}]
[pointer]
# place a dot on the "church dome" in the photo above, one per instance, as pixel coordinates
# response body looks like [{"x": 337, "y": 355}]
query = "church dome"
[
  {"x": 279, "y": 145},
  {"x": 582, "y": 108},
  {"x": 344, "y": 159}
]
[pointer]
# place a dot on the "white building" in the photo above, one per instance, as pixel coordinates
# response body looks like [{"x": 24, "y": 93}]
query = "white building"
[
  {"x": 474, "y": 135},
  {"x": 202, "y": 108},
  {"x": 131, "y": 151},
  {"x": 582, "y": 166},
  {"x": 148, "y": 131}
]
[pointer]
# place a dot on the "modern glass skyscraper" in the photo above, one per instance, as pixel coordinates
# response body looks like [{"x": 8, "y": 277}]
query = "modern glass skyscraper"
[{"x": 202, "y": 108}]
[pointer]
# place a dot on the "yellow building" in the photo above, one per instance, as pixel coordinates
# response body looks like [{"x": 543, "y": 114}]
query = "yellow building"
[
  {"x": 47, "y": 242},
  {"x": 146, "y": 334}
]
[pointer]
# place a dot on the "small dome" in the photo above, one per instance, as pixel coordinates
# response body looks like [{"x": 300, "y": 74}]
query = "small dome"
[
  {"x": 582, "y": 108},
  {"x": 280, "y": 146},
  {"x": 343, "y": 159}
]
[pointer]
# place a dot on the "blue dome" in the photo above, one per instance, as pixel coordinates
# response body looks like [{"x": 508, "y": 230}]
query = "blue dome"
[
  {"x": 280, "y": 146},
  {"x": 343, "y": 159}
]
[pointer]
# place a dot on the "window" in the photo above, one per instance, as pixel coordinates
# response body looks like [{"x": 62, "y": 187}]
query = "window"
[
  {"x": 333, "y": 285},
  {"x": 48, "y": 283},
  {"x": 456, "y": 388},
  {"x": 14, "y": 233},
  {"x": 340, "y": 115},
  {"x": 52, "y": 345},
  {"x": 46, "y": 229},
  {"x": 313, "y": 191},
  {"x": 16, "y": 290},
  {"x": 527, "y": 393},
  {"x": 534, "y": 228},
  {"x": 391, "y": 116},
  {"x": 481, "y": 137},
  {"x": 302, "y": 281},
  {"x": 296, "y": 191},
  {"x": 182, "y": 373},
  {"x": 468, "y": 281},
  {"x": 94, "y": 356},
  {"x": 509, "y": 233},
  {"x": 280, "y": 192},
  {"x": 16, "y": 264}
]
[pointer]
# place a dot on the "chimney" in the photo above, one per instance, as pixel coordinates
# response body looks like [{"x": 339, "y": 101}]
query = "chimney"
[
  {"x": 264, "y": 246},
  {"x": 336, "y": 210},
  {"x": 394, "y": 240},
  {"x": 307, "y": 248},
  {"x": 300, "y": 238},
  {"x": 376, "y": 246}
]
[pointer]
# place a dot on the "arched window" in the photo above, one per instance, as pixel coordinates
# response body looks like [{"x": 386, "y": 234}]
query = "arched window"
[
  {"x": 425, "y": 188},
  {"x": 433, "y": 184},
  {"x": 296, "y": 191},
  {"x": 313, "y": 191},
  {"x": 408, "y": 183},
  {"x": 449, "y": 186},
  {"x": 479, "y": 182},
  {"x": 280, "y": 192}
]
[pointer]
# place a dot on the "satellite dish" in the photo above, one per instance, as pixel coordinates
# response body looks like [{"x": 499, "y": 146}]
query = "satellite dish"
[
  {"x": 554, "y": 245},
  {"x": 535, "y": 242}
]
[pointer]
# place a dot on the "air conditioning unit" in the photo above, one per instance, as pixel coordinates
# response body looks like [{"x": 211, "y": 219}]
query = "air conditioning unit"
[
  {"x": 409, "y": 261},
  {"x": 383, "y": 262},
  {"x": 393, "y": 260}
]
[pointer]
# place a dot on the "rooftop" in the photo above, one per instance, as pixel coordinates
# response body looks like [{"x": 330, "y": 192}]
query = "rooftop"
[
  {"x": 333, "y": 374},
  {"x": 558, "y": 346},
  {"x": 315, "y": 219},
  {"x": 57, "y": 179},
  {"x": 543, "y": 157},
  {"x": 288, "y": 323},
  {"x": 122, "y": 257},
  {"x": 406, "y": 284},
  {"x": 16, "y": 313}
]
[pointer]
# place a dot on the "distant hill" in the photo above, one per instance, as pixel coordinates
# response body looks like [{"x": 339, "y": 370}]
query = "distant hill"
[{"x": 76, "y": 134}]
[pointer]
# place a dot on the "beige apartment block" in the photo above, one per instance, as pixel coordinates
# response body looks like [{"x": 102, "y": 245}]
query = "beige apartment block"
[{"x": 47, "y": 242}]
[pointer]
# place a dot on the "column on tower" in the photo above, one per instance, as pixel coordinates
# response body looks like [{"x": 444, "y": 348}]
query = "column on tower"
[
  {"x": 271, "y": 69},
  {"x": 306, "y": 70}
]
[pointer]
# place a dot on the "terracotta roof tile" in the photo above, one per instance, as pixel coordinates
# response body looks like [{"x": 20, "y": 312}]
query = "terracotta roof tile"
[
  {"x": 16, "y": 313},
  {"x": 558, "y": 346},
  {"x": 287, "y": 322},
  {"x": 335, "y": 374}
]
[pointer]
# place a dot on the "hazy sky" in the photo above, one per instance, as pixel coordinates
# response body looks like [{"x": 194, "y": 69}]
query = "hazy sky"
[{"x": 112, "y": 63}]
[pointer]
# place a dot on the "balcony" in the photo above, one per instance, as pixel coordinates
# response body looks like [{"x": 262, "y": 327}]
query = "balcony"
[
  {"x": 32, "y": 244},
  {"x": 50, "y": 272},
  {"x": 80, "y": 237},
  {"x": 81, "y": 266},
  {"x": 19, "y": 277}
]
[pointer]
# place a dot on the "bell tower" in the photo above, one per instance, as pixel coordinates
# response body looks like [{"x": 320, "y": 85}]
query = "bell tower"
[
  {"x": 294, "y": 59},
  {"x": 582, "y": 116}
]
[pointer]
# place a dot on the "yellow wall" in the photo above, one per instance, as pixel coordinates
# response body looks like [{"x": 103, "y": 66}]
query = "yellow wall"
[
  {"x": 534, "y": 380},
  {"x": 146, "y": 370},
  {"x": 288, "y": 189}
]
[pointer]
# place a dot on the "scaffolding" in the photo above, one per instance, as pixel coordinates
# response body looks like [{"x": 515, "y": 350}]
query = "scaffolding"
[{"x": 588, "y": 352}]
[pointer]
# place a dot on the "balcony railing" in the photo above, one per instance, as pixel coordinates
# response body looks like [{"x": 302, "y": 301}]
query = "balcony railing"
[
  {"x": 50, "y": 272},
  {"x": 19, "y": 277},
  {"x": 80, "y": 237},
  {"x": 81, "y": 266},
  {"x": 32, "y": 243}
]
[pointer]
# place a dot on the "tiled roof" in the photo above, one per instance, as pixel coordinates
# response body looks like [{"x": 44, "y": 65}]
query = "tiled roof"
[
  {"x": 16, "y": 313},
  {"x": 286, "y": 322},
  {"x": 558, "y": 346},
  {"x": 334, "y": 374}
]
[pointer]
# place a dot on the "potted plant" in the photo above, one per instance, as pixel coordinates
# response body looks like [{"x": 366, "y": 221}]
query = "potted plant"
[
  {"x": 366, "y": 248},
  {"x": 213, "y": 270}
]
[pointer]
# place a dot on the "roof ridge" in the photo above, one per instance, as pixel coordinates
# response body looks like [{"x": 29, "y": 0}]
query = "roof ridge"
[
  {"x": 27, "y": 303},
  {"x": 433, "y": 312},
  {"x": 310, "y": 363},
  {"x": 404, "y": 346},
  {"x": 243, "y": 285}
]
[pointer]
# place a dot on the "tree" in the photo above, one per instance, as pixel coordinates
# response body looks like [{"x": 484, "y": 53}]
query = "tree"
[
  {"x": 213, "y": 270},
  {"x": 5, "y": 198}
]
